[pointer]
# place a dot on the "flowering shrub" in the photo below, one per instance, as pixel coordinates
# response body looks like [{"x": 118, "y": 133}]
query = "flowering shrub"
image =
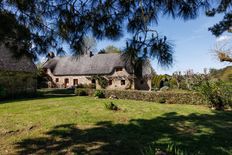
[{"x": 218, "y": 93}]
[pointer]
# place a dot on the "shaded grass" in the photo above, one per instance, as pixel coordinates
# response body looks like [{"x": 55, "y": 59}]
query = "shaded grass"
[{"x": 83, "y": 125}]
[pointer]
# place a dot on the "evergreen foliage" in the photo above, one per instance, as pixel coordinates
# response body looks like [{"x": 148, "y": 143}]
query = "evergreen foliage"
[{"x": 41, "y": 26}]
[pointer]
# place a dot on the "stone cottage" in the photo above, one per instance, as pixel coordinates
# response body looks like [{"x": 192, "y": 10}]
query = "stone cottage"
[
  {"x": 70, "y": 71},
  {"x": 17, "y": 75}
]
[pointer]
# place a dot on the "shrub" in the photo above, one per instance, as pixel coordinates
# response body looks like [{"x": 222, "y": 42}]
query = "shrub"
[
  {"x": 102, "y": 81},
  {"x": 90, "y": 86},
  {"x": 171, "y": 149},
  {"x": 56, "y": 91},
  {"x": 217, "y": 93},
  {"x": 170, "y": 97},
  {"x": 112, "y": 106},
  {"x": 2, "y": 91},
  {"x": 99, "y": 94},
  {"x": 173, "y": 83},
  {"x": 162, "y": 100},
  {"x": 81, "y": 92}
]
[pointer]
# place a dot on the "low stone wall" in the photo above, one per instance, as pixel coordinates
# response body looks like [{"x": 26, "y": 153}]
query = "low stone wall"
[
  {"x": 159, "y": 97},
  {"x": 17, "y": 84}
]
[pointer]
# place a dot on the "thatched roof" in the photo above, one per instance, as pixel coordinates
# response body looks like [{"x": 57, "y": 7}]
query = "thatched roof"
[
  {"x": 100, "y": 64},
  {"x": 9, "y": 63}
]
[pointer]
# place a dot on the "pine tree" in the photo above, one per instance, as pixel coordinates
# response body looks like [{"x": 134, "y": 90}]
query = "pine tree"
[{"x": 41, "y": 26}]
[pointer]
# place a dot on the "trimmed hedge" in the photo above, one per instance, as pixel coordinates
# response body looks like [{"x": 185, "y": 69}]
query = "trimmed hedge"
[
  {"x": 164, "y": 97},
  {"x": 56, "y": 91},
  {"x": 84, "y": 92}
]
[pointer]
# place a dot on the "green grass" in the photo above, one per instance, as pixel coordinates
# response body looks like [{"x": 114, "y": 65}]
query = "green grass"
[{"x": 62, "y": 125}]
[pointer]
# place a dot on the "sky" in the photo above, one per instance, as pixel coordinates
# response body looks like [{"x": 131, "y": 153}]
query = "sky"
[{"x": 193, "y": 44}]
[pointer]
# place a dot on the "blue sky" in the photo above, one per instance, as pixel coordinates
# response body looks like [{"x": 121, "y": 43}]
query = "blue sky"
[{"x": 193, "y": 44}]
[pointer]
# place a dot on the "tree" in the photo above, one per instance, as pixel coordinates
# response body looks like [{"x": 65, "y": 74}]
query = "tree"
[
  {"x": 225, "y": 25},
  {"x": 112, "y": 49},
  {"x": 51, "y": 23},
  {"x": 223, "y": 50},
  {"x": 89, "y": 44}
]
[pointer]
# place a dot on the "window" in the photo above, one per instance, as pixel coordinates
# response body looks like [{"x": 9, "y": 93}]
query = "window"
[
  {"x": 66, "y": 80},
  {"x": 75, "y": 82},
  {"x": 57, "y": 79},
  {"x": 141, "y": 82},
  {"x": 93, "y": 81},
  {"x": 110, "y": 82},
  {"x": 123, "y": 82},
  {"x": 118, "y": 69}
]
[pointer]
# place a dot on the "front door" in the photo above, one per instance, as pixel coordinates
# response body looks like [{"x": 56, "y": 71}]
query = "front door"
[{"x": 75, "y": 82}]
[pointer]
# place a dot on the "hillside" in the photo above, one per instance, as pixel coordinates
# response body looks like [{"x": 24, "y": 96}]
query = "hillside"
[{"x": 224, "y": 74}]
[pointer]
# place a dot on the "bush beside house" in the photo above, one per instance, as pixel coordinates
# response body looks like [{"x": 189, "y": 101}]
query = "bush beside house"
[{"x": 165, "y": 97}]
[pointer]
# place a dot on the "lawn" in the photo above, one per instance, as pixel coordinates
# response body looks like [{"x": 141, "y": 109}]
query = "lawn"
[{"x": 63, "y": 125}]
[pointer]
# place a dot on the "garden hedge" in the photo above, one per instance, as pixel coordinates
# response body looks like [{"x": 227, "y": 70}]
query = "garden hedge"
[{"x": 160, "y": 97}]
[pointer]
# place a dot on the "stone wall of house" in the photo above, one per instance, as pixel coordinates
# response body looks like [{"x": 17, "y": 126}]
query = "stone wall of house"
[
  {"x": 60, "y": 80},
  {"x": 119, "y": 80},
  {"x": 17, "y": 84}
]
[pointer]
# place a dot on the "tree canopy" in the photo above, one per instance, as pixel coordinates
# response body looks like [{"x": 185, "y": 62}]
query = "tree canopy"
[
  {"x": 41, "y": 26},
  {"x": 223, "y": 50},
  {"x": 110, "y": 49}
]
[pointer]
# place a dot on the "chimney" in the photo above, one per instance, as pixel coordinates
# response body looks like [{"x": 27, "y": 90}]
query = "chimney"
[
  {"x": 91, "y": 54},
  {"x": 50, "y": 55}
]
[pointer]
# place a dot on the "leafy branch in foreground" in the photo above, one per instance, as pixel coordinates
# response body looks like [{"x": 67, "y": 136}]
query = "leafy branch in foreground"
[
  {"x": 47, "y": 25},
  {"x": 52, "y": 23}
]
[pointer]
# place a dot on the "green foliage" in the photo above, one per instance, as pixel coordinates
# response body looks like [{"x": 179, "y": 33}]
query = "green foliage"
[
  {"x": 170, "y": 97},
  {"x": 173, "y": 83},
  {"x": 81, "y": 92},
  {"x": 2, "y": 91},
  {"x": 112, "y": 49},
  {"x": 221, "y": 7},
  {"x": 217, "y": 93},
  {"x": 99, "y": 94},
  {"x": 90, "y": 86},
  {"x": 111, "y": 106},
  {"x": 55, "y": 91},
  {"x": 42, "y": 77},
  {"x": 171, "y": 149},
  {"x": 103, "y": 19},
  {"x": 224, "y": 74},
  {"x": 162, "y": 100},
  {"x": 64, "y": 122},
  {"x": 102, "y": 81},
  {"x": 158, "y": 81}
]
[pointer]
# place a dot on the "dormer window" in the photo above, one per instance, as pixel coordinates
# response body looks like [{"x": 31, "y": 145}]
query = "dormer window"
[{"x": 119, "y": 69}]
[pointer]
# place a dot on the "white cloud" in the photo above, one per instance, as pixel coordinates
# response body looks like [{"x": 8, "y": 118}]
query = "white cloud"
[{"x": 224, "y": 38}]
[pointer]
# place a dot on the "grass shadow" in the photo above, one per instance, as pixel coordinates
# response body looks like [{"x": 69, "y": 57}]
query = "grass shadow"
[
  {"x": 205, "y": 134},
  {"x": 41, "y": 94}
]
